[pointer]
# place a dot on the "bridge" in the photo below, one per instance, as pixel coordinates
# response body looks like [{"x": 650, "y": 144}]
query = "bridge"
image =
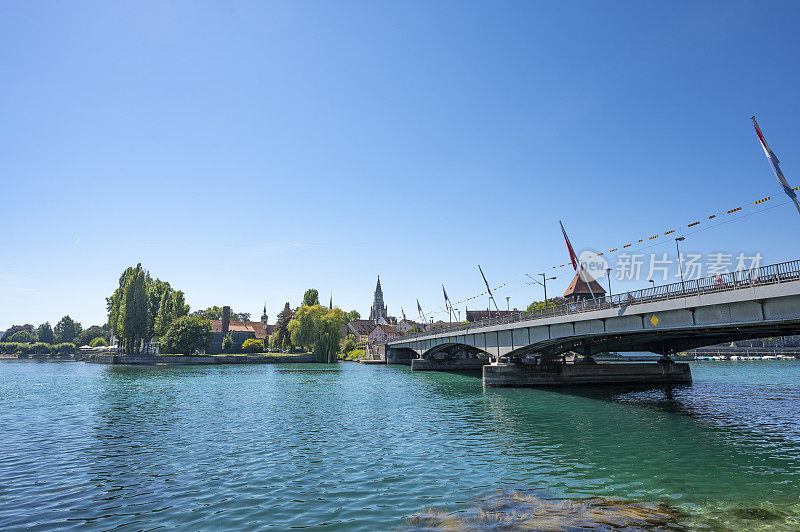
[{"x": 528, "y": 348}]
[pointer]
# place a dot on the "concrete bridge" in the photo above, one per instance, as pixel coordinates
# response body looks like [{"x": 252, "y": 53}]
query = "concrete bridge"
[{"x": 528, "y": 347}]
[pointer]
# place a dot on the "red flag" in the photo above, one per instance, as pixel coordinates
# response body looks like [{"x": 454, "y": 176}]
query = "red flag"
[{"x": 572, "y": 256}]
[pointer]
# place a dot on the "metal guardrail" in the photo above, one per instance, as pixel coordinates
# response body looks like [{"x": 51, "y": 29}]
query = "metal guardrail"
[{"x": 726, "y": 282}]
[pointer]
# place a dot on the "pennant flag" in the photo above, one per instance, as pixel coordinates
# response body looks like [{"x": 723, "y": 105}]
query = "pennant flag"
[
  {"x": 446, "y": 299},
  {"x": 774, "y": 162},
  {"x": 572, "y": 256},
  {"x": 404, "y": 314},
  {"x": 419, "y": 307}
]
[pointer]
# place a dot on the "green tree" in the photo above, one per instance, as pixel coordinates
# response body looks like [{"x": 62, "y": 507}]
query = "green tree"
[
  {"x": 348, "y": 344},
  {"x": 165, "y": 314},
  {"x": 114, "y": 303},
  {"x": 179, "y": 304},
  {"x": 15, "y": 328},
  {"x": 85, "y": 337},
  {"x": 98, "y": 342},
  {"x": 45, "y": 333},
  {"x": 156, "y": 289},
  {"x": 187, "y": 335},
  {"x": 215, "y": 313},
  {"x": 23, "y": 337},
  {"x": 281, "y": 338},
  {"x": 311, "y": 297},
  {"x": 353, "y": 315},
  {"x": 134, "y": 314},
  {"x": 227, "y": 343},
  {"x": 252, "y": 345},
  {"x": 551, "y": 302},
  {"x": 318, "y": 329},
  {"x": 67, "y": 329}
]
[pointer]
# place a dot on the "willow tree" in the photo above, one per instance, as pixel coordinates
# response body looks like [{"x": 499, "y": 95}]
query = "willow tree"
[{"x": 318, "y": 329}]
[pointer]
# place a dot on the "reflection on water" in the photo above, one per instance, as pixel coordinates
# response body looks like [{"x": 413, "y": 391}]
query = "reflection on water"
[{"x": 368, "y": 447}]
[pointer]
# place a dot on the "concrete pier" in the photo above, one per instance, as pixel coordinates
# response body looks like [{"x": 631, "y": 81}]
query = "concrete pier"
[
  {"x": 520, "y": 375},
  {"x": 448, "y": 364}
]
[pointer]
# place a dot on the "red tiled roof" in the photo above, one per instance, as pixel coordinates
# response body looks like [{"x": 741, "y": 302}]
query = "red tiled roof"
[
  {"x": 579, "y": 286},
  {"x": 256, "y": 327},
  {"x": 362, "y": 327}
]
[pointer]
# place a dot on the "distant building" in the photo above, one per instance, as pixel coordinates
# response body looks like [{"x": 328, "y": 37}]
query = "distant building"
[
  {"x": 579, "y": 289},
  {"x": 359, "y": 329},
  {"x": 381, "y": 333},
  {"x": 403, "y": 326},
  {"x": 239, "y": 330}
]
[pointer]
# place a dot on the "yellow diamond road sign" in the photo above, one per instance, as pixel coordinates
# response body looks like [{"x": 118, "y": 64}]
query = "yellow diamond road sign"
[{"x": 654, "y": 320}]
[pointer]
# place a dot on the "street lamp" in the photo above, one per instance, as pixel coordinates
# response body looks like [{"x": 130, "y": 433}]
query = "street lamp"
[
  {"x": 608, "y": 274},
  {"x": 680, "y": 261},
  {"x": 653, "y": 284},
  {"x": 543, "y": 282},
  {"x": 508, "y": 304}
]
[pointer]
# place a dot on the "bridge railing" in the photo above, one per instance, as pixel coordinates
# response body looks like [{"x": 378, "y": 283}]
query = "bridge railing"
[{"x": 725, "y": 282}]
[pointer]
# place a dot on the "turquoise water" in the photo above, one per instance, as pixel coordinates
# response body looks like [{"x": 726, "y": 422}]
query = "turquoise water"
[{"x": 368, "y": 447}]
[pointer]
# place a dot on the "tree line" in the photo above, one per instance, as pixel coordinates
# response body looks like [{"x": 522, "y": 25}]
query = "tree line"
[{"x": 64, "y": 338}]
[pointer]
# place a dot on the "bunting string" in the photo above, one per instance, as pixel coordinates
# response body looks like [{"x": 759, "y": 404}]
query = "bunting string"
[{"x": 644, "y": 240}]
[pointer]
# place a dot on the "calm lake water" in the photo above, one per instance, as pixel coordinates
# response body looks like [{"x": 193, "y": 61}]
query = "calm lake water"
[{"x": 374, "y": 447}]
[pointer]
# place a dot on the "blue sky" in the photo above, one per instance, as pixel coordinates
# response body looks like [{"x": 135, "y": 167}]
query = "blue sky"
[{"x": 247, "y": 151}]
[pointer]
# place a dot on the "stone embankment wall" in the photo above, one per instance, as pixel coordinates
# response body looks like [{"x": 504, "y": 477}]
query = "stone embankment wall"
[{"x": 194, "y": 360}]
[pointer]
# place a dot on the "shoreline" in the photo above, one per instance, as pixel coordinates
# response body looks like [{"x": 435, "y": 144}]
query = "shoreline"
[{"x": 195, "y": 360}]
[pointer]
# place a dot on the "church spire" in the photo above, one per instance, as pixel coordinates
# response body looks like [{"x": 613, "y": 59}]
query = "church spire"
[{"x": 378, "y": 309}]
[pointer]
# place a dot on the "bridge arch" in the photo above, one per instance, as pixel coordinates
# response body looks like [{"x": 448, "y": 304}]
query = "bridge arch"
[{"x": 454, "y": 350}]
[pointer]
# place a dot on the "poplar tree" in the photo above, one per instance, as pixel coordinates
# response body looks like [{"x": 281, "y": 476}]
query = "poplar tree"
[
  {"x": 181, "y": 308},
  {"x": 166, "y": 313},
  {"x": 134, "y": 309},
  {"x": 281, "y": 337}
]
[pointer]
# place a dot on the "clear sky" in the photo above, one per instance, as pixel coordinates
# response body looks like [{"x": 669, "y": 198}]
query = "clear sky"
[{"x": 247, "y": 151}]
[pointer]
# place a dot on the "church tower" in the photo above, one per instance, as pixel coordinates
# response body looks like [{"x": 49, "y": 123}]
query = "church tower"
[
  {"x": 378, "y": 309},
  {"x": 264, "y": 316}
]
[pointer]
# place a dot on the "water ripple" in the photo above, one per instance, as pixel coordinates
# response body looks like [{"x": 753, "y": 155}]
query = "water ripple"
[{"x": 362, "y": 448}]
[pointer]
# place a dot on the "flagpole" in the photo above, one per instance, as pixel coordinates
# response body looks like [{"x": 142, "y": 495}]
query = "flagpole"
[
  {"x": 775, "y": 163},
  {"x": 491, "y": 297}
]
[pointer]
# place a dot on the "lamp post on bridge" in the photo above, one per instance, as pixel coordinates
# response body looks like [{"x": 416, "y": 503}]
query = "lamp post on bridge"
[
  {"x": 608, "y": 274},
  {"x": 543, "y": 282},
  {"x": 680, "y": 261}
]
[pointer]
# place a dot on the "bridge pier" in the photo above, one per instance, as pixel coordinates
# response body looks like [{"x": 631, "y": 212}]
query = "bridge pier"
[
  {"x": 400, "y": 355},
  {"x": 533, "y": 375}
]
